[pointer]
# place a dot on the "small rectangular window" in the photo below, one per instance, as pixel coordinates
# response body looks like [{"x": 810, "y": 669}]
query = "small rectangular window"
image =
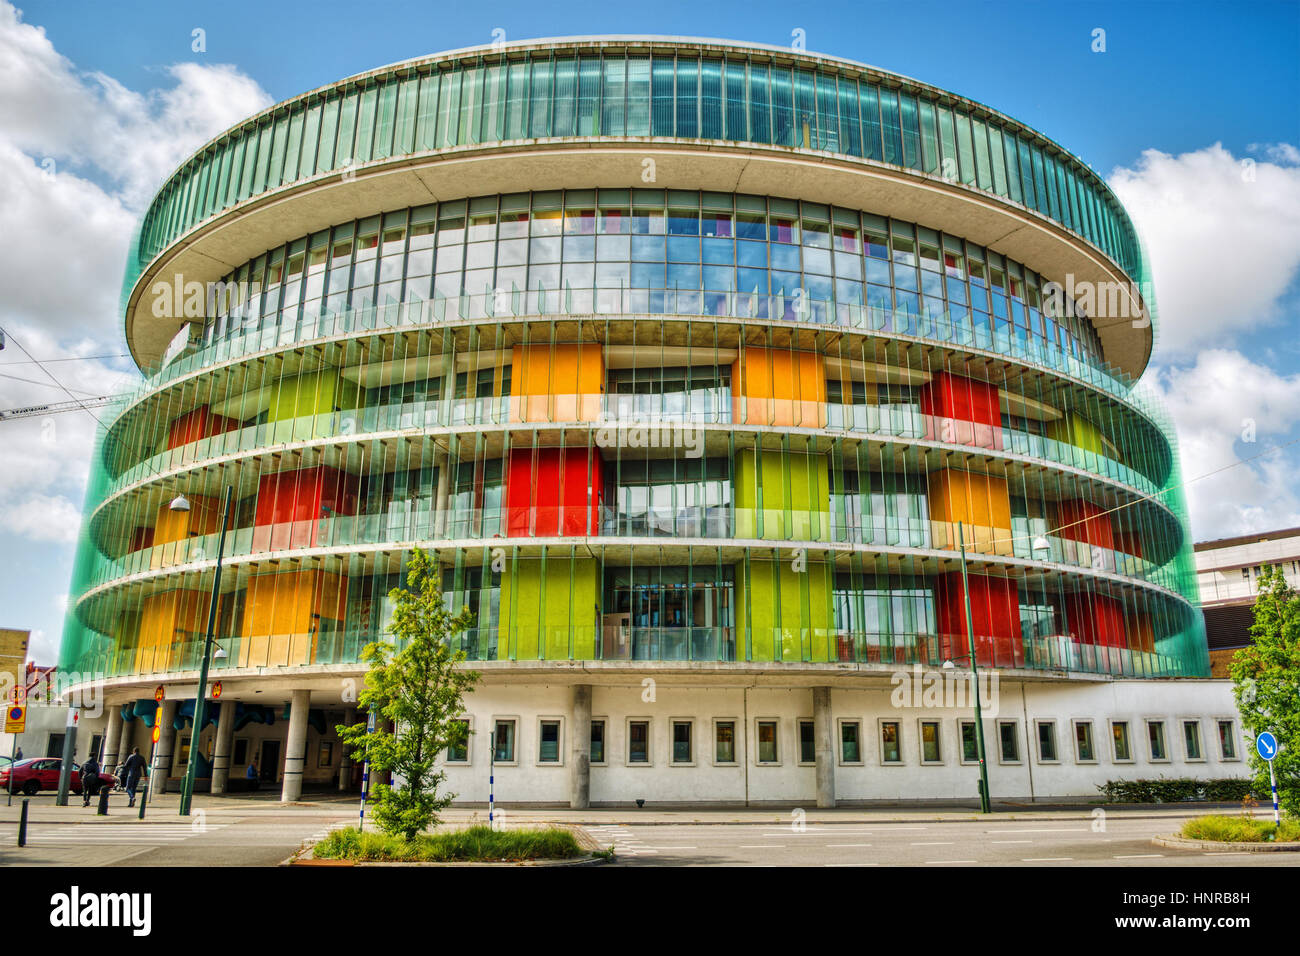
[
  {"x": 850, "y": 742},
  {"x": 1047, "y": 741},
  {"x": 504, "y": 746},
  {"x": 1083, "y": 750},
  {"x": 597, "y": 741},
  {"x": 1008, "y": 741},
  {"x": 548, "y": 748},
  {"x": 458, "y": 750},
  {"x": 1119, "y": 734},
  {"x": 890, "y": 750},
  {"x": 970, "y": 748},
  {"x": 1227, "y": 740},
  {"x": 930, "y": 742},
  {"x": 1156, "y": 736},
  {"x": 767, "y": 741},
  {"x": 638, "y": 741},
  {"x": 682, "y": 752},
  {"x": 807, "y": 742},
  {"x": 1192, "y": 739},
  {"x": 724, "y": 741}
]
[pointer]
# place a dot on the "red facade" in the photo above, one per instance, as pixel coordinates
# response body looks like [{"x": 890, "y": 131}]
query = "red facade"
[
  {"x": 962, "y": 411},
  {"x": 1081, "y": 520},
  {"x": 1095, "y": 619},
  {"x": 200, "y": 423},
  {"x": 291, "y": 504},
  {"x": 995, "y": 618},
  {"x": 554, "y": 491}
]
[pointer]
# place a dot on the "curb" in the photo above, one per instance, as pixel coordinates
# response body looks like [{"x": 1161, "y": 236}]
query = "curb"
[{"x": 1182, "y": 843}]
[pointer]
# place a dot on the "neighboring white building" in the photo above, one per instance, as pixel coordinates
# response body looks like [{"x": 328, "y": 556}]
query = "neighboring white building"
[{"x": 1227, "y": 574}]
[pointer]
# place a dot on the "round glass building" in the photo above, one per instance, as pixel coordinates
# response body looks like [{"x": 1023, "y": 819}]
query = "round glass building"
[{"x": 695, "y": 364}]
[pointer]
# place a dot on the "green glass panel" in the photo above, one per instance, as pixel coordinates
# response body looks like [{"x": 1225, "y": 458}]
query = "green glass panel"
[
  {"x": 711, "y": 124},
  {"x": 539, "y": 96},
  {"x": 638, "y": 96},
  {"x": 662, "y": 93},
  {"x": 310, "y": 140},
  {"x": 688, "y": 98},
  {"x": 564, "y": 121},
  {"x": 929, "y": 137}
]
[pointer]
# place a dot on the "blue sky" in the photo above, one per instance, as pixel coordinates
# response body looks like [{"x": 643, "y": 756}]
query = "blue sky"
[{"x": 1190, "y": 112}]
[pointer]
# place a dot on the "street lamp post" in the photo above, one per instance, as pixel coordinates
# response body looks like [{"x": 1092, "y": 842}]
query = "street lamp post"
[
  {"x": 975, "y": 677},
  {"x": 200, "y": 701}
]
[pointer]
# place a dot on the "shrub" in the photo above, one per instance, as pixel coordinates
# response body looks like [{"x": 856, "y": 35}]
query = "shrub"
[
  {"x": 1241, "y": 830},
  {"x": 1177, "y": 790},
  {"x": 475, "y": 844}
]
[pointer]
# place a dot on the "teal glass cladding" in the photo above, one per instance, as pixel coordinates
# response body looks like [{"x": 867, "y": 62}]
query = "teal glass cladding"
[
  {"x": 637, "y": 424},
  {"x": 738, "y": 96}
]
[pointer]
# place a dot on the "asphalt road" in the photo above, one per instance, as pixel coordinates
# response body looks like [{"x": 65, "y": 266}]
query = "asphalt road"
[
  {"x": 259, "y": 831},
  {"x": 1125, "y": 841}
]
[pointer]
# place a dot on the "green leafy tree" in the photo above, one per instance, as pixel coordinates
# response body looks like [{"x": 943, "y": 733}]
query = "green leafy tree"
[
  {"x": 416, "y": 686},
  {"x": 1266, "y": 679}
]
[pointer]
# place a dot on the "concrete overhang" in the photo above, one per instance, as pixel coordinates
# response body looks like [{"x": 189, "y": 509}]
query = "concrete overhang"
[{"x": 219, "y": 245}]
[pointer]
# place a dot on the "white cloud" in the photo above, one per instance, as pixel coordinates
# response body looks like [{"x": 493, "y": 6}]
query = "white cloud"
[
  {"x": 1223, "y": 236},
  {"x": 50, "y": 109},
  {"x": 1228, "y": 409},
  {"x": 80, "y": 157}
]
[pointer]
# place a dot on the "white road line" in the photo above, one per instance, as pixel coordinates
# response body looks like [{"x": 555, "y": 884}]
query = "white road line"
[
  {"x": 847, "y": 845},
  {"x": 1048, "y": 830},
  {"x": 1045, "y": 859},
  {"x": 761, "y": 846},
  {"x": 1139, "y": 856},
  {"x": 1010, "y": 841},
  {"x": 937, "y": 862},
  {"x": 940, "y": 843}
]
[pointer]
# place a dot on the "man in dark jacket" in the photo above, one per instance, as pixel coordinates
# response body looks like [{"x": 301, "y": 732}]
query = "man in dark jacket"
[
  {"x": 134, "y": 768},
  {"x": 89, "y": 779}
]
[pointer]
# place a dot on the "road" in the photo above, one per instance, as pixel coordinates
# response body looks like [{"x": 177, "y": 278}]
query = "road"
[
  {"x": 256, "y": 830},
  {"x": 1126, "y": 841}
]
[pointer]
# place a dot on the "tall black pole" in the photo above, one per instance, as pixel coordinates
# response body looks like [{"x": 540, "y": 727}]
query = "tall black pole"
[{"x": 191, "y": 770}]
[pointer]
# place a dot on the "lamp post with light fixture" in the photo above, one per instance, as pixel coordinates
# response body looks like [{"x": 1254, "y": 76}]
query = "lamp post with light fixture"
[{"x": 181, "y": 503}]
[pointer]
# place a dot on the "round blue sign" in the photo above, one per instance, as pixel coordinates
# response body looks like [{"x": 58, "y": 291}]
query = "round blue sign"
[{"x": 1266, "y": 744}]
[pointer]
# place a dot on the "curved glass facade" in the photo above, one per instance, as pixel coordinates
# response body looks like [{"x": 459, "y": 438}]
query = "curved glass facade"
[
  {"x": 638, "y": 424},
  {"x": 749, "y": 96}
]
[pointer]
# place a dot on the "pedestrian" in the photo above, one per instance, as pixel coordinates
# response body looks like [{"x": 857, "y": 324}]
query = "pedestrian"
[
  {"x": 251, "y": 775},
  {"x": 89, "y": 779},
  {"x": 134, "y": 768},
  {"x": 18, "y": 754}
]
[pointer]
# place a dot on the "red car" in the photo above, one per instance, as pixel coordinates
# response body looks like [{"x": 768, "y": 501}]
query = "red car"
[{"x": 42, "y": 773}]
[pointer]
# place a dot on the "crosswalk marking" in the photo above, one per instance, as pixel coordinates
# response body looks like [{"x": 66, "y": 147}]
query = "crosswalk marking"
[{"x": 89, "y": 834}]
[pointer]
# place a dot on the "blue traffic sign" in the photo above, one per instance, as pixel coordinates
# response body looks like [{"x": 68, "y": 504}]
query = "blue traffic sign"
[{"x": 1266, "y": 744}]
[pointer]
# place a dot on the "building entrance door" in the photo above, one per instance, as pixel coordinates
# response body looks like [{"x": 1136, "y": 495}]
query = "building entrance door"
[{"x": 270, "y": 764}]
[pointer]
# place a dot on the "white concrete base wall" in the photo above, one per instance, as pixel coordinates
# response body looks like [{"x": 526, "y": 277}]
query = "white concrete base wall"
[{"x": 792, "y": 781}]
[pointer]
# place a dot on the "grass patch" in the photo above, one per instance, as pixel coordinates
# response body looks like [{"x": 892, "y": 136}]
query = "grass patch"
[
  {"x": 477, "y": 845},
  {"x": 1241, "y": 830}
]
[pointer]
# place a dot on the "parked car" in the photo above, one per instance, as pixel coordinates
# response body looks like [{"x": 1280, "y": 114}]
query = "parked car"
[{"x": 35, "y": 774}]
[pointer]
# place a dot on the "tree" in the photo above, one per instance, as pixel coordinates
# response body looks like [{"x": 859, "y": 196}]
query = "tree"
[
  {"x": 415, "y": 685},
  {"x": 1266, "y": 679}
]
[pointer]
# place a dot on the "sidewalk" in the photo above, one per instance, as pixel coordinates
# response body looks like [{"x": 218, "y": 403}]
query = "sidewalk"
[{"x": 333, "y": 806}]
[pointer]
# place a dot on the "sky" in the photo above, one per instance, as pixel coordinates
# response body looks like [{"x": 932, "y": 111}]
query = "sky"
[{"x": 1189, "y": 112}]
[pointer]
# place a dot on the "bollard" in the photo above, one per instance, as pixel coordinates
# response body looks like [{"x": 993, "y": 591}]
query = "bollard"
[
  {"x": 144, "y": 798},
  {"x": 22, "y": 825},
  {"x": 102, "y": 810}
]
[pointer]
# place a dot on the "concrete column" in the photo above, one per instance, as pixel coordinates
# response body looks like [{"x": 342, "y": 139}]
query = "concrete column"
[
  {"x": 295, "y": 747},
  {"x": 580, "y": 748},
  {"x": 221, "y": 749},
  {"x": 160, "y": 767},
  {"x": 442, "y": 497},
  {"x": 345, "y": 759},
  {"x": 127, "y": 740},
  {"x": 112, "y": 737},
  {"x": 824, "y": 741}
]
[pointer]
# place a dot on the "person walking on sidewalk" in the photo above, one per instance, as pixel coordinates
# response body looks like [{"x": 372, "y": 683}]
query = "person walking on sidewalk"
[
  {"x": 89, "y": 779},
  {"x": 134, "y": 769}
]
